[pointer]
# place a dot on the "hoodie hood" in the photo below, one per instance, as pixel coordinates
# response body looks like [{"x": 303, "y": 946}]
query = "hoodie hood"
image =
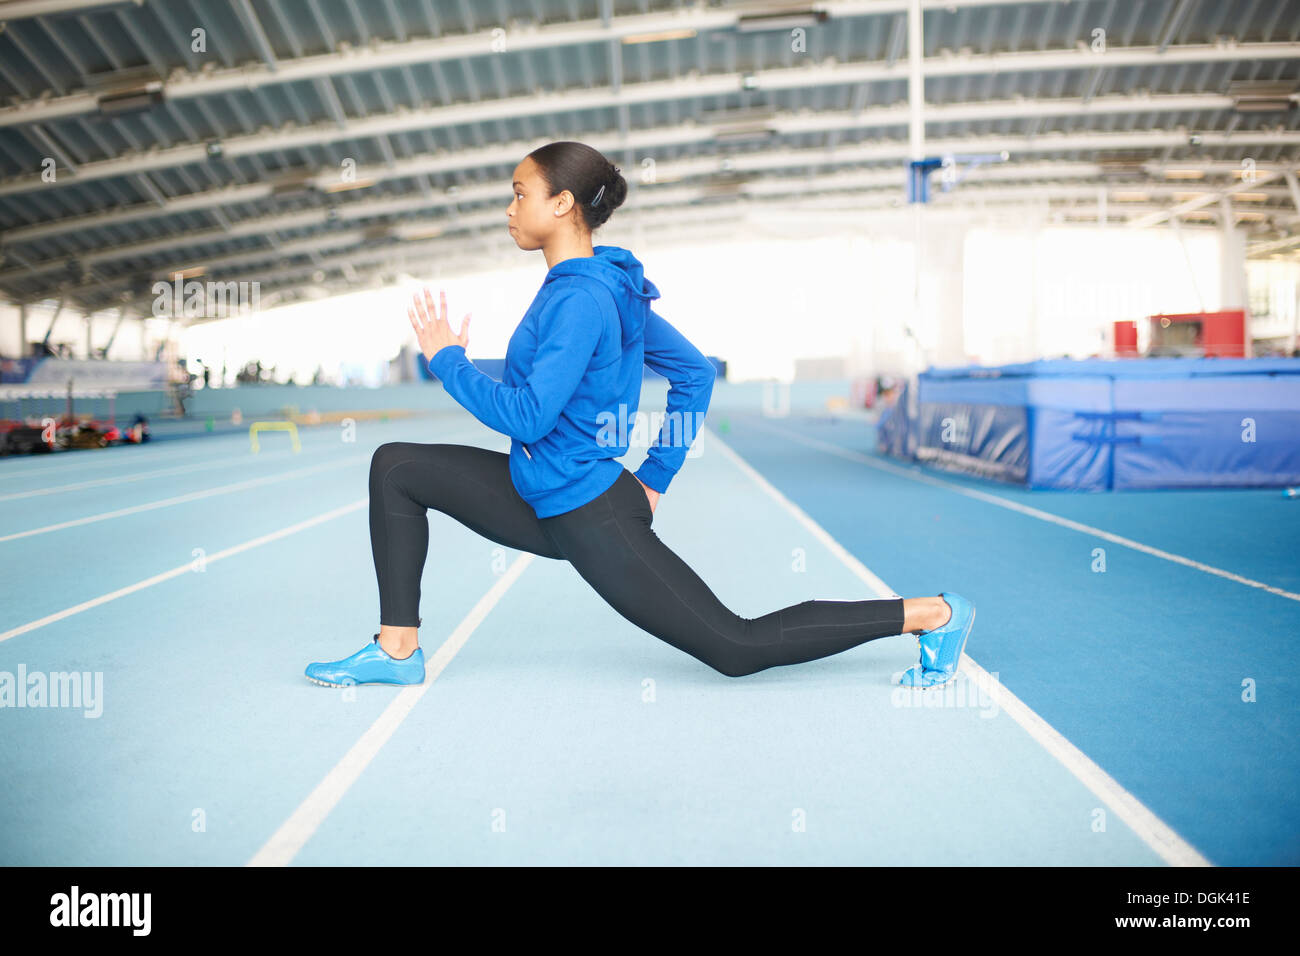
[{"x": 620, "y": 272}]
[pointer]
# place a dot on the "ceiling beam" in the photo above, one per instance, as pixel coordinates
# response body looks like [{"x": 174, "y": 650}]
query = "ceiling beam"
[
  {"x": 384, "y": 55},
  {"x": 253, "y": 26},
  {"x": 647, "y": 139},
  {"x": 293, "y": 137},
  {"x": 25, "y": 9}
]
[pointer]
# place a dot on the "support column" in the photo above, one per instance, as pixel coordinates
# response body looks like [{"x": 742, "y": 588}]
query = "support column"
[
  {"x": 121, "y": 317},
  {"x": 1232, "y": 267},
  {"x": 1295, "y": 325},
  {"x": 943, "y": 252},
  {"x": 1187, "y": 257},
  {"x": 914, "y": 349},
  {"x": 915, "y": 81},
  {"x": 50, "y": 331}
]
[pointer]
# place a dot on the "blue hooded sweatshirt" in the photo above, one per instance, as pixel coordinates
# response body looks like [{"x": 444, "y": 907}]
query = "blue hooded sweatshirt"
[{"x": 572, "y": 383}]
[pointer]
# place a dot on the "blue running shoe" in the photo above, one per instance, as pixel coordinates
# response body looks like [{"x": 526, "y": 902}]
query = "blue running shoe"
[
  {"x": 370, "y": 665},
  {"x": 941, "y": 648}
]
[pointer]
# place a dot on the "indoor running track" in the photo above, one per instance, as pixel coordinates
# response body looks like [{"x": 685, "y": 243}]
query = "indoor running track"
[{"x": 1098, "y": 720}]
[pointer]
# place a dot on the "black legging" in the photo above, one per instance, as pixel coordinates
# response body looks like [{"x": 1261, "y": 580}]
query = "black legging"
[{"x": 610, "y": 543}]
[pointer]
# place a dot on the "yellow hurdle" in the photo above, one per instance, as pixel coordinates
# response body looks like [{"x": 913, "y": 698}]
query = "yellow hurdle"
[{"x": 289, "y": 427}]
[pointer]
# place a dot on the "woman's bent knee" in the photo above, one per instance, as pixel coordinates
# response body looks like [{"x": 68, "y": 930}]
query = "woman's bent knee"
[
  {"x": 385, "y": 456},
  {"x": 736, "y": 664},
  {"x": 391, "y": 454}
]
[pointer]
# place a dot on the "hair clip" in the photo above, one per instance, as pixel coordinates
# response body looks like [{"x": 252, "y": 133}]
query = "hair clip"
[{"x": 600, "y": 192}]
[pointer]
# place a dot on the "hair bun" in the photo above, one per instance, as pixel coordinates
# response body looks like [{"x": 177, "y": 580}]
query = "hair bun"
[{"x": 595, "y": 181}]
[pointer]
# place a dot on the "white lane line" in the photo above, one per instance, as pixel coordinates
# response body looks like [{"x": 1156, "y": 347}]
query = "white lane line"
[
  {"x": 285, "y": 843},
  {"x": 187, "y": 568},
  {"x": 192, "y": 496},
  {"x": 1025, "y": 510},
  {"x": 226, "y": 461},
  {"x": 1153, "y": 831}
]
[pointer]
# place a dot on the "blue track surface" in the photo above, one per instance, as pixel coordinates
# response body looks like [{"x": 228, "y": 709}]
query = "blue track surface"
[
  {"x": 561, "y": 733},
  {"x": 1142, "y": 665}
]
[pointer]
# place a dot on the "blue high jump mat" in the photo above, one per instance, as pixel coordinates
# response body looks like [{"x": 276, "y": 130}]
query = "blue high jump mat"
[{"x": 1098, "y": 425}]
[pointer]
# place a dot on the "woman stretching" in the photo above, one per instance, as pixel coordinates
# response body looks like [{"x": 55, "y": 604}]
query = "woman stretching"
[{"x": 571, "y": 387}]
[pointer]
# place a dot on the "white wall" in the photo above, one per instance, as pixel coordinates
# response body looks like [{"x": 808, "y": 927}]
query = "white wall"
[
  {"x": 761, "y": 304},
  {"x": 1275, "y": 299},
  {"x": 1057, "y": 290}
]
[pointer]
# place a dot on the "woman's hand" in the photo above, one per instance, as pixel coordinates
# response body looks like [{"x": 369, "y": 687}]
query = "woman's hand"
[
  {"x": 650, "y": 493},
  {"x": 431, "y": 326}
]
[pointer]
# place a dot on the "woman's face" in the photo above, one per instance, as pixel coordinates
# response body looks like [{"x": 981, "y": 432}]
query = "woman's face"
[{"x": 532, "y": 212}]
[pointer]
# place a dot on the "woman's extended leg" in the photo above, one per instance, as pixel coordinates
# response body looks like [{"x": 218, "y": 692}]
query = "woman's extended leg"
[
  {"x": 610, "y": 543},
  {"x": 470, "y": 484}
]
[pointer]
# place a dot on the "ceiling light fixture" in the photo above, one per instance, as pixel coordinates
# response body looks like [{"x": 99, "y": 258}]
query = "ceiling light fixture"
[
  {"x": 656, "y": 37},
  {"x": 781, "y": 20},
  {"x": 344, "y": 187},
  {"x": 134, "y": 100},
  {"x": 1252, "y": 96}
]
